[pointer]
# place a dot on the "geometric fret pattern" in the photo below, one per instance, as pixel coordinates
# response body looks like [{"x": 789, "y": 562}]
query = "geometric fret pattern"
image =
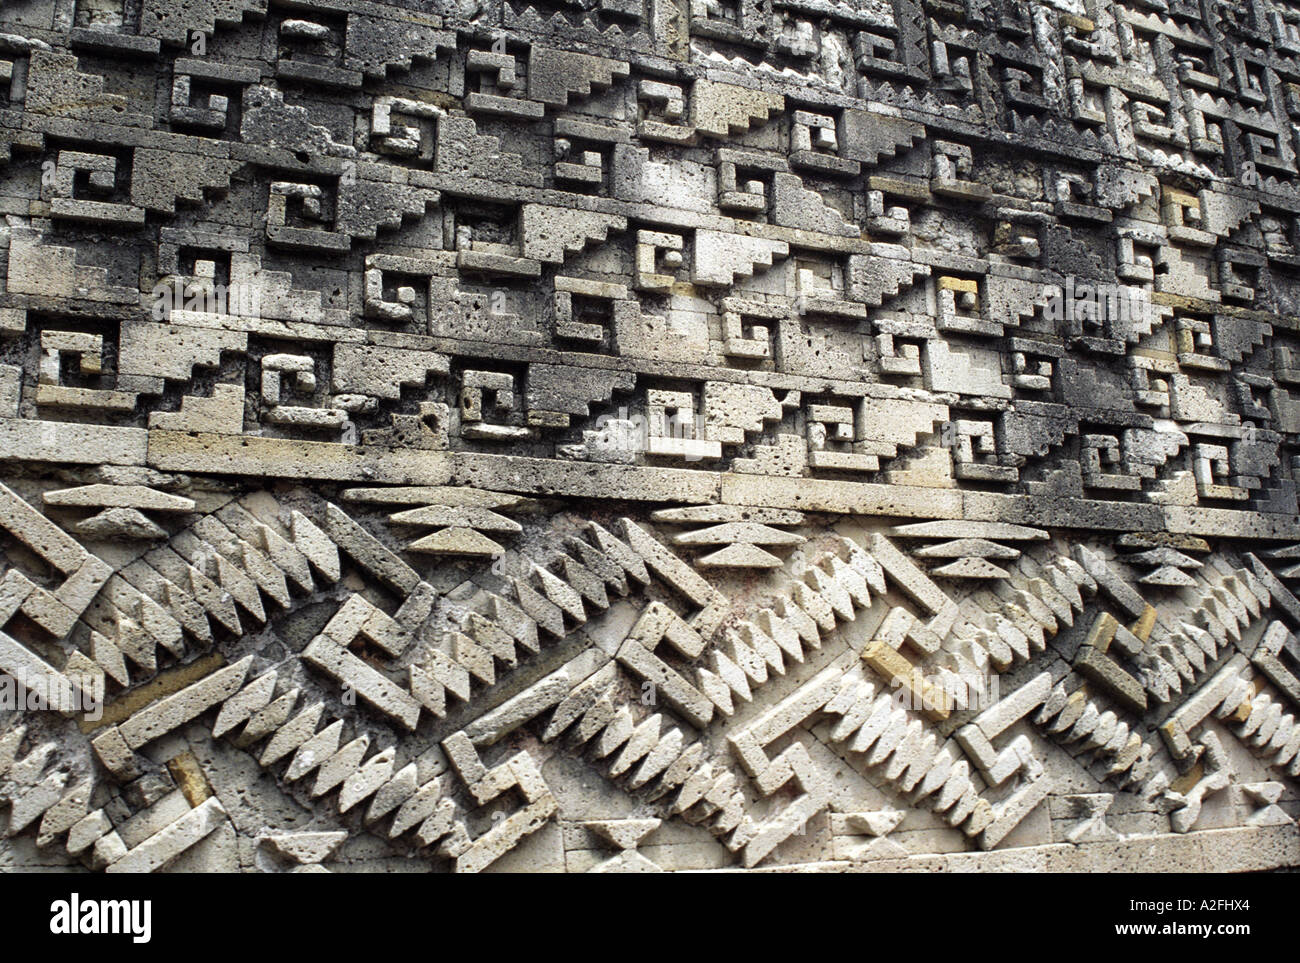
[{"x": 628, "y": 436}]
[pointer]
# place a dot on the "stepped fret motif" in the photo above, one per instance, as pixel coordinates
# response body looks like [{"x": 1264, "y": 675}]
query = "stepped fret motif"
[{"x": 620, "y": 436}]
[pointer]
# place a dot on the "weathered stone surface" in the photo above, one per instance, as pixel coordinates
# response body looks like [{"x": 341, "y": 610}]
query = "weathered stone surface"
[{"x": 629, "y": 437}]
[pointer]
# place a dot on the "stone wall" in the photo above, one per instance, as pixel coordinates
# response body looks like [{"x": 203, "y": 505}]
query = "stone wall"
[{"x": 580, "y": 435}]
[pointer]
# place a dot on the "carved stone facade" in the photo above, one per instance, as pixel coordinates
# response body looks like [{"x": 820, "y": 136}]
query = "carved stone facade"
[{"x": 619, "y": 435}]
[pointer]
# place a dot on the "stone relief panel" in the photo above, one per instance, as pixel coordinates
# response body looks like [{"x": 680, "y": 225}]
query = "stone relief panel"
[{"x": 642, "y": 435}]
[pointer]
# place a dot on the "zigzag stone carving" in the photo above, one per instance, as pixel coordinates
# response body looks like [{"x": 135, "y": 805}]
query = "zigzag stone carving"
[{"x": 626, "y": 436}]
